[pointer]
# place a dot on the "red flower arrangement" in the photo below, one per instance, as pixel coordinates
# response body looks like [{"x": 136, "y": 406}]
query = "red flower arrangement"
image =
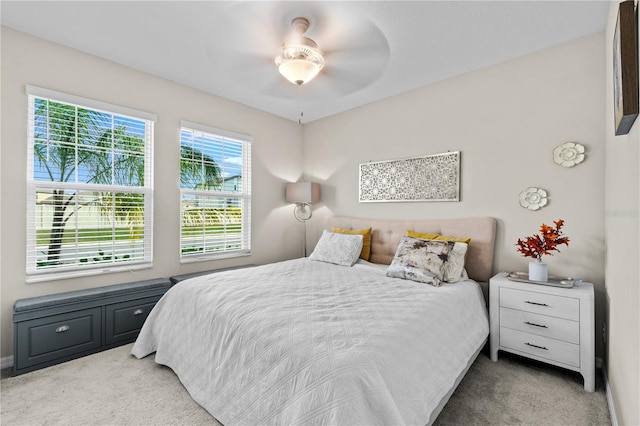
[{"x": 544, "y": 243}]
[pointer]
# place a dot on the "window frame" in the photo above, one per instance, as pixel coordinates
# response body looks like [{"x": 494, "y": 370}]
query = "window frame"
[
  {"x": 244, "y": 195},
  {"x": 33, "y": 273}
]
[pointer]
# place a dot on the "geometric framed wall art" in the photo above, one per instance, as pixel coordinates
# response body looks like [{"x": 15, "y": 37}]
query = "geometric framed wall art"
[{"x": 430, "y": 178}]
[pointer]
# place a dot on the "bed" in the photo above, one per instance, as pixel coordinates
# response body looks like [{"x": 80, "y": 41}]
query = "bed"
[{"x": 310, "y": 342}]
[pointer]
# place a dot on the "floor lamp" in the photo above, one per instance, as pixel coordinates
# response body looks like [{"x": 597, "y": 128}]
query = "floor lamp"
[{"x": 303, "y": 194}]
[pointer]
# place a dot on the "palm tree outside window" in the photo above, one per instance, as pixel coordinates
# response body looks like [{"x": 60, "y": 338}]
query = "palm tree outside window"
[
  {"x": 89, "y": 185},
  {"x": 215, "y": 188}
]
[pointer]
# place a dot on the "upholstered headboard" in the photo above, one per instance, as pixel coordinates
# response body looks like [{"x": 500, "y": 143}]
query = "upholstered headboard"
[{"x": 386, "y": 235}]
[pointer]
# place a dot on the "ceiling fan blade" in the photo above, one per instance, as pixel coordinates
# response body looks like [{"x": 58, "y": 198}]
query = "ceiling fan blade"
[
  {"x": 336, "y": 82},
  {"x": 347, "y": 33},
  {"x": 369, "y": 61},
  {"x": 261, "y": 75},
  {"x": 356, "y": 53},
  {"x": 248, "y": 30},
  {"x": 348, "y": 72}
]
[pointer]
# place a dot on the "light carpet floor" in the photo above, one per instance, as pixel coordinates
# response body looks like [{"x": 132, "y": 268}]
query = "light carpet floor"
[{"x": 113, "y": 388}]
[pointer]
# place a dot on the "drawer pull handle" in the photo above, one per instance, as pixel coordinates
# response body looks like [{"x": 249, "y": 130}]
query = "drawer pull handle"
[
  {"x": 62, "y": 329},
  {"x": 535, "y": 325},
  {"x": 138, "y": 312},
  {"x": 535, "y": 303},
  {"x": 536, "y": 346}
]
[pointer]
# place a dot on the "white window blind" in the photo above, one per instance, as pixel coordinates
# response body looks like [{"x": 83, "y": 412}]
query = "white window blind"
[
  {"x": 215, "y": 189},
  {"x": 90, "y": 186}
]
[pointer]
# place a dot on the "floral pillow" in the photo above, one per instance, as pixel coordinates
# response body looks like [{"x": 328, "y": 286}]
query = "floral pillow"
[
  {"x": 341, "y": 249},
  {"x": 454, "y": 268},
  {"x": 421, "y": 260}
]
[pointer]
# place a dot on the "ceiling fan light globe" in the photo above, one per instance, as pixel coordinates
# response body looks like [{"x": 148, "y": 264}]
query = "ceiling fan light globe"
[{"x": 298, "y": 71}]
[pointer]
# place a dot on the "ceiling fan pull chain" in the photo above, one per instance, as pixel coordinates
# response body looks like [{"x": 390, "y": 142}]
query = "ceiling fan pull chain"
[{"x": 300, "y": 104}]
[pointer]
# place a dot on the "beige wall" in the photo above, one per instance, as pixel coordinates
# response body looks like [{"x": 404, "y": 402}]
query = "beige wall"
[
  {"x": 505, "y": 119},
  {"x": 622, "y": 222},
  {"x": 276, "y": 159}
]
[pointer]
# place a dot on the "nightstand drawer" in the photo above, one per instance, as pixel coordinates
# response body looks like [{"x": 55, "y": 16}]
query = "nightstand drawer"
[
  {"x": 58, "y": 336},
  {"x": 542, "y": 325},
  {"x": 540, "y": 303},
  {"x": 543, "y": 347}
]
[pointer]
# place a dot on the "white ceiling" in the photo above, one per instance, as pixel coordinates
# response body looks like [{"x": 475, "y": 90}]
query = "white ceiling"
[{"x": 373, "y": 50}]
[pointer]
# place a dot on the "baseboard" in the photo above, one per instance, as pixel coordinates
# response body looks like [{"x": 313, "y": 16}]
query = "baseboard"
[
  {"x": 612, "y": 407},
  {"x": 6, "y": 362}
]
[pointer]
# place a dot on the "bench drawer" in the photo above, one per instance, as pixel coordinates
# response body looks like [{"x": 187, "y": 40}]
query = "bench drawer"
[
  {"x": 124, "y": 320},
  {"x": 58, "y": 336}
]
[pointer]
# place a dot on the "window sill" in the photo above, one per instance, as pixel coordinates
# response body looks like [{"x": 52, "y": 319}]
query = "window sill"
[
  {"x": 209, "y": 257},
  {"x": 53, "y": 276}
]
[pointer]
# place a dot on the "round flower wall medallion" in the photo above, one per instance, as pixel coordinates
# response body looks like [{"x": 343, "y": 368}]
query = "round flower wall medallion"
[
  {"x": 533, "y": 198},
  {"x": 568, "y": 154}
]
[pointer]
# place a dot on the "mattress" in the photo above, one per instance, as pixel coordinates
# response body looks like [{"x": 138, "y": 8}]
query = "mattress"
[{"x": 306, "y": 342}]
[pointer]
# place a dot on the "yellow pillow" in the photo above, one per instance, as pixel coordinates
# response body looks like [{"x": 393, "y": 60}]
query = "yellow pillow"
[
  {"x": 438, "y": 237},
  {"x": 366, "y": 239}
]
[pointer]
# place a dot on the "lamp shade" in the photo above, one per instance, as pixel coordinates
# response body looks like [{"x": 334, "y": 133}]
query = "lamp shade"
[{"x": 302, "y": 192}]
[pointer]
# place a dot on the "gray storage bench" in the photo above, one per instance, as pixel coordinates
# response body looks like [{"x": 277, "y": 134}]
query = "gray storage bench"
[{"x": 52, "y": 329}]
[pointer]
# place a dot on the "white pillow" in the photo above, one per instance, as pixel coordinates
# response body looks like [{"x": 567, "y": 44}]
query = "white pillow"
[{"x": 341, "y": 249}]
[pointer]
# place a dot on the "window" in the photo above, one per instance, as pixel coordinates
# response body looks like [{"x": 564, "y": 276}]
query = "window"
[
  {"x": 90, "y": 186},
  {"x": 215, "y": 193}
]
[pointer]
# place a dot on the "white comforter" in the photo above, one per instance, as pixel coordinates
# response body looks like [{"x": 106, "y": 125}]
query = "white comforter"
[{"x": 305, "y": 342}]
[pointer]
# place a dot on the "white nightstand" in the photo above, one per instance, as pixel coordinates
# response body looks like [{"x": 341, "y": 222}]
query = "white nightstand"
[{"x": 550, "y": 324}]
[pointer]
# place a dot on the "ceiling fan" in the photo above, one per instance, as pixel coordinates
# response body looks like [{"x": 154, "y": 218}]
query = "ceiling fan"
[
  {"x": 346, "y": 49},
  {"x": 301, "y": 59}
]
